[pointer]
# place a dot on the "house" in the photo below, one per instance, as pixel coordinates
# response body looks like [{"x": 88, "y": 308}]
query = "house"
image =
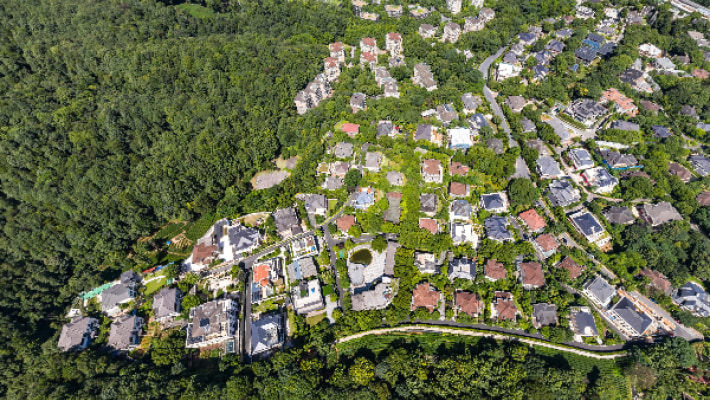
[
  {"x": 376, "y": 298},
  {"x": 582, "y": 323},
  {"x": 462, "y": 268},
  {"x": 493, "y": 270},
  {"x": 546, "y": 244},
  {"x": 533, "y": 220},
  {"x": 302, "y": 268},
  {"x": 517, "y": 49},
  {"x": 586, "y": 111},
  {"x": 506, "y": 70},
  {"x": 432, "y": 171},
  {"x": 429, "y": 224},
  {"x": 423, "y": 77},
  {"x": 575, "y": 270},
  {"x": 369, "y": 45},
  {"x": 615, "y": 160},
  {"x": 486, "y": 14},
  {"x": 167, "y": 304},
  {"x": 460, "y": 138},
  {"x": 600, "y": 180},
  {"x": 599, "y": 291},
  {"x": 267, "y": 333},
  {"x": 564, "y": 33},
  {"x": 463, "y": 234},
  {"x": 386, "y": 128},
  {"x": 125, "y": 333},
  {"x": 316, "y": 204},
  {"x": 658, "y": 281},
  {"x": 528, "y": 125},
  {"x": 212, "y": 323},
  {"x": 580, "y": 158},
  {"x": 543, "y": 57},
  {"x": 394, "y": 210},
  {"x": 393, "y": 11},
  {"x": 473, "y": 24},
  {"x": 393, "y": 44},
  {"x": 700, "y": 73},
  {"x": 357, "y": 7},
  {"x": 496, "y": 229},
  {"x": 343, "y": 150},
  {"x": 503, "y": 306},
  {"x": 372, "y": 161},
  {"x": 456, "y": 168},
  {"x": 516, "y": 103},
  {"x": 619, "y": 215},
  {"x": 395, "y": 178},
  {"x": 331, "y": 68},
  {"x": 540, "y": 72},
  {"x": 477, "y": 121},
  {"x": 689, "y": 111},
  {"x": 544, "y": 314},
  {"x": 527, "y": 38},
  {"x": 624, "y": 104},
  {"x": 345, "y": 222},
  {"x": 470, "y": 103},
  {"x": 583, "y": 12},
  {"x": 203, "y": 254},
  {"x": 457, "y": 189},
  {"x": 625, "y": 126},
  {"x": 700, "y": 164},
  {"x": 427, "y": 31},
  {"x": 586, "y": 54},
  {"x": 555, "y": 46},
  {"x": 365, "y": 198},
  {"x": 77, "y": 334},
  {"x": 650, "y": 106},
  {"x": 426, "y": 263},
  {"x": 629, "y": 320},
  {"x": 693, "y": 297},
  {"x": 495, "y": 203},
  {"x": 333, "y": 183},
  {"x": 680, "y": 171},
  {"x": 357, "y": 102},
  {"x": 539, "y": 146},
  {"x": 659, "y": 213},
  {"x": 429, "y": 133},
  {"x": 496, "y": 145},
  {"x": 266, "y": 279},
  {"x": 461, "y": 210},
  {"x": 446, "y": 114},
  {"x": 452, "y": 31},
  {"x": 381, "y": 75},
  {"x": 337, "y": 51},
  {"x": 703, "y": 199},
  {"x": 287, "y": 222},
  {"x": 562, "y": 194},
  {"x": 594, "y": 40},
  {"x": 307, "y": 298},
  {"x": 317, "y": 90},
  {"x": 425, "y": 295},
  {"x": 650, "y": 51},
  {"x": 454, "y": 6},
  {"x": 306, "y": 245},
  {"x": 468, "y": 303},
  {"x": 588, "y": 226},
  {"x": 370, "y": 60},
  {"x": 636, "y": 79},
  {"x": 118, "y": 294},
  {"x": 547, "y": 168},
  {"x": 531, "y": 275},
  {"x": 428, "y": 203}
]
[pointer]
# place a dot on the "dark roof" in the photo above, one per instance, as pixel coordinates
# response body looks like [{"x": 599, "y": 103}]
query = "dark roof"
[
  {"x": 528, "y": 125},
  {"x": 242, "y": 238},
  {"x": 661, "y": 131},
  {"x": 492, "y": 201},
  {"x": 584, "y": 321},
  {"x": 596, "y": 38},
  {"x": 461, "y": 208},
  {"x": 428, "y": 202},
  {"x": 424, "y": 132},
  {"x": 600, "y": 288},
  {"x": 587, "y": 224},
  {"x": 545, "y": 314},
  {"x": 527, "y": 37},
  {"x": 462, "y": 268},
  {"x": 115, "y": 295},
  {"x": 607, "y": 49},
  {"x": 619, "y": 215},
  {"x": 624, "y": 126},
  {"x": 626, "y": 311},
  {"x": 496, "y": 228},
  {"x": 166, "y": 303},
  {"x": 266, "y": 333},
  {"x": 630, "y": 76},
  {"x": 586, "y": 54}
]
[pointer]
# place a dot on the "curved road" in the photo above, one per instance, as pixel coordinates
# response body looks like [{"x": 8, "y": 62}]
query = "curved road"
[
  {"x": 417, "y": 329},
  {"x": 484, "y": 67}
]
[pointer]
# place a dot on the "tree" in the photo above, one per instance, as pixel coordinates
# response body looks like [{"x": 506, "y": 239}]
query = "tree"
[
  {"x": 169, "y": 349},
  {"x": 190, "y": 301},
  {"x": 172, "y": 271},
  {"x": 355, "y": 231},
  {"x": 332, "y": 229},
  {"x": 362, "y": 372},
  {"x": 379, "y": 244},
  {"x": 522, "y": 192},
  {"x": 352, "y": 178}
]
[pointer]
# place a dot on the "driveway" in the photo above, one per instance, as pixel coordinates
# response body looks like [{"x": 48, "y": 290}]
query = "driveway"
[
  {"x": 521, "y": 169},
  {"x": 490, "y": 98}
]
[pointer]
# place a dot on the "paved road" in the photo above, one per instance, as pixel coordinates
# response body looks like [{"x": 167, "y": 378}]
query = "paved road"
[
  {"x": 570, "y": 242},
  {"x": 497, "y": 336},
  {"x": 484, "y": 67},
  {"x": 521, "y": 169}
]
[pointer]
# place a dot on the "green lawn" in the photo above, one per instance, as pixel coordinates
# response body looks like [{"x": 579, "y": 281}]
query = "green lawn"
[
  {"x": 332, "y": 204},
  {"x": 195, "y": 10},
  {"x": 155, "y": 285},
  {"x": 314, "y": 320},
  {"x": 327, "y": 290}
]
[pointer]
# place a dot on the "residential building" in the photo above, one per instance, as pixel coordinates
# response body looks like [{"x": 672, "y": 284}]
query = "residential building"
[
  {"x": 533, "y": 220},
  {"x": 457, "y": 189},
  {"x": 302, "y": 268},
  {"x": 496, "y": 145},
  {"x": 203, "y": 254},
  {"x": 429, "y": 133},
  {"x": 493, "y": 270},
  {"x": 266, "y": 333},
  {"x": 357, "y": 101},
  {"x": 637, "y": 79},
  {"x": 425, "y": 295},
  {"x": 650, "y": 51},
  {"x": 460, "y": 210},
  {"x": 345, "y": 222},
  {"x": 496, "y": 229},
  {"x": 623, "y": 104},
  {"x": 531, "y": 275},
  {"x": 381, "y": 75},
  {"x": 516, "y": 103},
  {"x": 369, "y": 45},
  {"x": 548, "y": 168},
  {"x": 546, "y": 244},
  {"x": 495, "y": 203},
  {"x": 582, "y": 323},
  {"x": 664, "y": 64},
  {"x": 619, "y": 215},
  {"x": 486, "y": 14},
  {"x": 357, "y": 7},
  {"x": 584, "y": 12},
  {"x": 243, "y": 240},
  {"x": 304, "y": 246},
  {"x": 658, "y": 281},
  {"x": 452, "y": 31},
  {"x": 599, "y": 291},
  {"x": 77, "y": 334},
  {"x": 454, "y": 6},
  {"x": 477, "y": 121},
  {"x": 446, "y": 114},
  {"x": 588, "y": 226},
  {"x": 266, "y": 279},
  {"x": 625, "y": 126},
  {"x": 586, "y": 54},
  {"x": 555, "y": 46},
  {"x": 700, "y": 164},
  {"x": 680, "y": 171},
  {"x": 212, "y": 323},
  {"x": 315, "y": 92},
  {"x": 580, "y": 158},
  {"x": 539, "y": 73},
  {"x": 167, "y": 304},
  {"x": 331, "y": 68},
  {"x": 562, "y": 194},
  {"x": 460, "y": 138},
  {"x": 333, "y": 183},
  {"x": 659, "y": 213},
  {"x": 650, "y": 106},
  {"x": 372, "y": 161},
  {"x": 689, "y": 111},
  {"x": 693, "y": 297},
  {"x": 463, "y": 234},
  {"x": 429, "y": 224},
  {"x": 468, "y": 303},
  {"x": 456, "y": 168},
  {"x": 419, "y": 12},
  {"x": 503, "y": 307},
  {"x": 369, "y": 60},
  {"x": 462, "y": 268},
  {"x": 470, "y": 103},
  {"x": 527, "y": 39},
  {"x": 528, "y": 125},
  {"x": 287, "y": 222},
  {"x": 337, "y": 51},
  {"x": 517, "y": 49},
  {"x": 125, "y": 332},
  {"x": 432, "y": 171},
  {"x": 600, "y": 180},
  {"x": 316, "y": 204},
  {"x": 426, "y": 263},
  {"x": 586, "y": 111},
  {"x": 350, "y": 129},
  {"x": 376, "y": 298},
  {"x": 118, "y": 294},
  {"x": 507, "y": 70},
  {"x": 615, "y": 160},
  {"x": 365, "y": 198},
  {"x": 386, "y": 128},
  {"x": 473, "y": 24},
  {"x": 423, "y": 77},
  {"x": 629, "y": 320},
  {"x": 393, "y": 11},
  {"x": 428, "y": 203},
  {"x": 427, "y": 31},
  {"x": 544, "y": 314},
  {"x": 575, "y": 270},
  {"x": 307, "y": 298},
  {"x": 393, "y": 44},
  {"x": 703, "y": 199},
  {"x": 394, "y": 210}
]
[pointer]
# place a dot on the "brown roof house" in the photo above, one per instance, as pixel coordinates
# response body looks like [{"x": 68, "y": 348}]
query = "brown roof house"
[
  {"x": 680, "y": 171},
  {"x": 432, "y": 171},
  {"x": 546, "y": 244},
  {"x": 533, "y": 220},
  {"x": 703, "y": 199},
  {"x": 575, "y": 270},
  {"x": 531, "y": 275},
  {"x": 493, "y": 270},
  {"x": 425, "y": 295},
  {"x": 503, "y": 307},
  {"x": 658, "y": 281},
  {"x": 456, "y": 168},
  {"x": 429, "y": 224},
  {"x": 125, "y": 332},
  {"x": 468, "y": 303},
  {"x": 457, "y": 189},
  {"x": 659, "y": 213},
  {"x": 345, "y": 222}
]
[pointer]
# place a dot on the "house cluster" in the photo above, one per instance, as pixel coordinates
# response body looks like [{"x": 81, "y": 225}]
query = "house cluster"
[{"x": 225, "y": 241}]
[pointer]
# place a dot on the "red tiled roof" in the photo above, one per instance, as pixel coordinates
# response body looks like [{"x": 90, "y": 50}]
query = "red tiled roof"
[
  {"x": 457, "y": 189},
  {"x": 345, "y": 222},
  {"x": 337, "y": 46},
  {"x": 203, "y": 253},
  {"x": 505, "y": 306},
  {"x": 330, "y": 62},
  {"x": 394, "y": 194},
  {"x": 547, "y": 242},
  {"x": 425, "y": 295},
  {"x": 494, "y": 270},
  {"x": 369, "y": 41},
  {"x": 431, "y": 167},
  {"x": 261, "y": 274},
  {"x": 701, "y": 73},
  {"x": 533, "y": 220},
  {"x": 531, "y": 273},
  {"x": 704, "y": 199},
  {"x": 350, "y": 128},
  {"x": 570, "y": 265},
  {"x": 680, "y": 171},
  {"x": 456, "y": 168},
  {"x": 394, "y": 36},
  {"x": 658, "y": 280},
  {"x": 429, "y": 224},
  {"x": 468, "y": 303},
  {"x": 367, "y": 56}
]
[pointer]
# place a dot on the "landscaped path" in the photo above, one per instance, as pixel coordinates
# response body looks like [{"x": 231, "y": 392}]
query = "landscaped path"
[{"x": 496, "y": 336}]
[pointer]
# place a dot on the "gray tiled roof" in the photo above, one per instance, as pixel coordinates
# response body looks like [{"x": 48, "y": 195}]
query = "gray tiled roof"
[
  {"x": 302, "y": 268},
  {"x": 242, "y": 238},
  {"x": 428, "y": 202},
  {"x": 285, "y": 219},
  {"x": 314, "y": 202},
  {"x": 584, "y": 324},
  {"x": 424, "y": 132},
  {"x": 374, "y": 299},
  {"x": 547, "y": 166},
  {"x": 123, "y": 334},
  {"x": 601, "y": 289},
  {"x": 545, "y": 314},
  {"x": 626, "y": 311},
  {"x": 166, "y": 303},
  {"x": 619, "y": 215},
  {"x": 587, "y": 224},
  {"x": 492, "y": 201},
  {"x": 461, "y": 209},
  {"x": 462, "y": 268},
  {"x": 73, "y": 333},
  {"x": 562, "y": 193},
  {"x": 496, "y": 228},
  {"x": 266, "y": 333},
  {"x": 212, "y": 318},
  {"x": 117, "y": 294}
]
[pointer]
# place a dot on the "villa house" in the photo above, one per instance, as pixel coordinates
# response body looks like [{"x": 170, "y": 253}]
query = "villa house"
[
  {"x": 495, "y": 203},
  {"x": 212, "y": 323},
  {"x": 425, "y": 296},
  {"x": 659, "y": 213},
  {"x": 77, "y": 334},
  {"x": 460, "y": 210},
  {"x": 468, "y": 303},
  {"x": 287, "y": 222},
  {"x": 307, "y": 298},
  {"x": 493, "y": 270},
  {"x": 533, "y": 220},
  {"x": 599, "y": 291},
  {"x": 167, "y": 304},
  {"x": 503, "y": 306},
  {"x": 531, "y": 275},
  {"x": 575, "y": 270},
  {"x": 546, "y": 244},
  {"x": 125, "y": 333},
  {"x": 432, "y": 171},
  {"x": 423, "y": 77},
  {"x": 428, "y": 203}
]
